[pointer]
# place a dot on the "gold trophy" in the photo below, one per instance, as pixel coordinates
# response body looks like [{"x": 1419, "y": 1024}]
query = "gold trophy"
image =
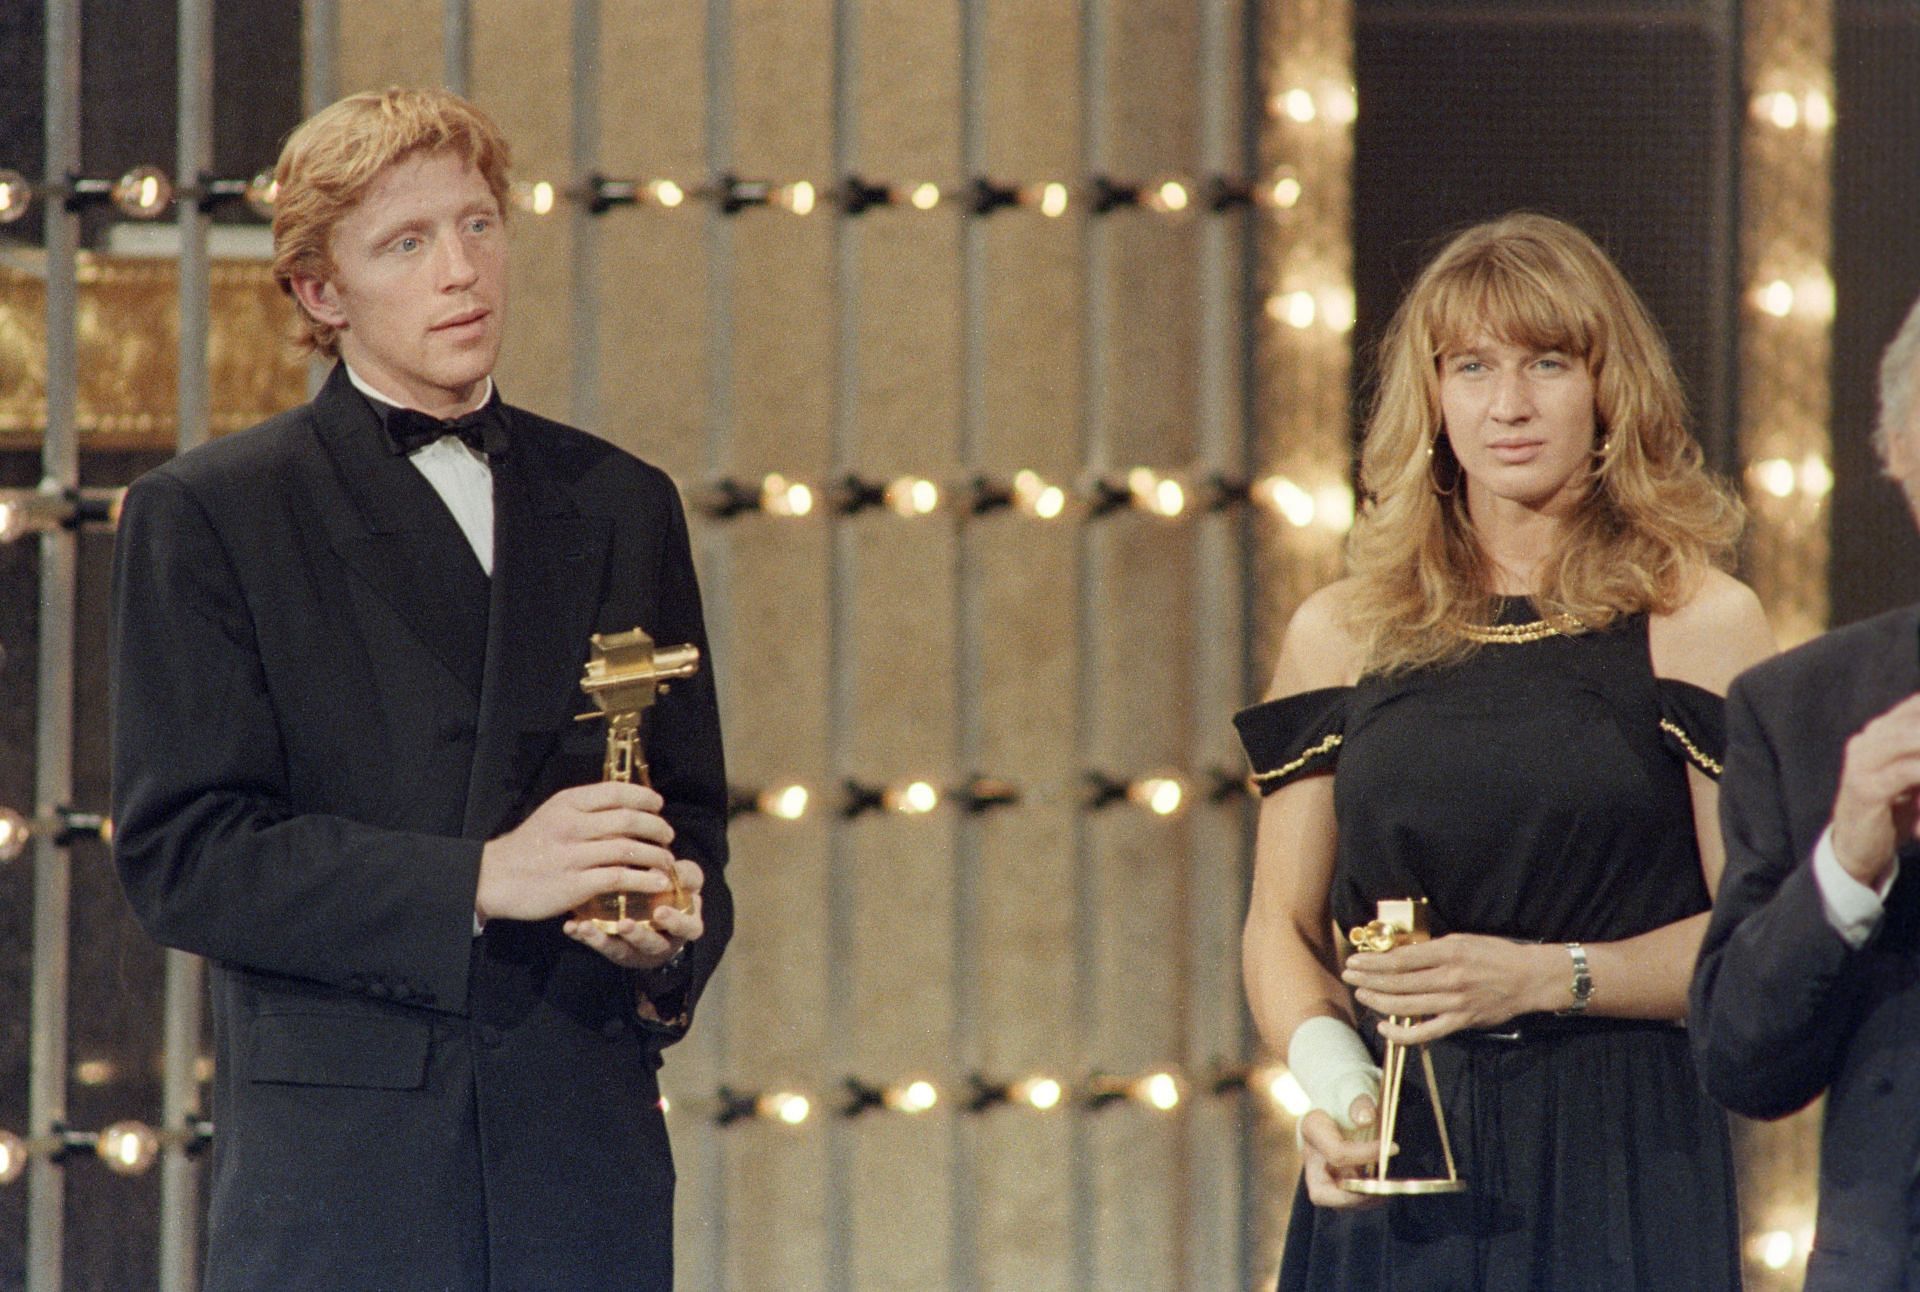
[
  {"x": 1398, "y": 923},
  {"x": 625, "y": 674}
]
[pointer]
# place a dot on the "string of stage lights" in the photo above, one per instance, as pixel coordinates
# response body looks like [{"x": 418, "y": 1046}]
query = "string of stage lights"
[
  {"x": 1152, "y": 491},
  {"x": 64, "y": 826},
  {"x": 1327, "y": 505},
  {"x": 146, "y": 192},
  {"x": 1159, "y": 793},
  {"x": 131, "y": 1147},
  {"x": 1324, "y": 304}
]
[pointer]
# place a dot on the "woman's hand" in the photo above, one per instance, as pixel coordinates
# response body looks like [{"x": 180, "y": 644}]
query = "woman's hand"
[
  {"x": 1328, "y": 1155},
  {"x": 1462, "y": 980}
]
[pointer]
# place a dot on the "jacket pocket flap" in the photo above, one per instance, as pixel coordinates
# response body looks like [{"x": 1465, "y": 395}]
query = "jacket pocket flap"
[{"x": 340, "y": 1050}]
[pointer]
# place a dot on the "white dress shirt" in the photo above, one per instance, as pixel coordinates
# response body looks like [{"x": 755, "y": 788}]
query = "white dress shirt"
[
  {"x": 460, "y": 475},
  {"x": 1852, "y": 908}
]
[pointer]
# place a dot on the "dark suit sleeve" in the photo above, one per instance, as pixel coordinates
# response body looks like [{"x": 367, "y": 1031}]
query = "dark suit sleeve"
[
  {"x": 1774, "y": 994},
  {"x": 212, "y": 851},
  {"x": 689, "y": 769}
]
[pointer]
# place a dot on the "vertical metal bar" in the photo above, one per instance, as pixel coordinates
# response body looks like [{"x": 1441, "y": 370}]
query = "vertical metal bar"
[
  {"x": 964, "y": 1270},
  {"x": 320, "y": 85},
  {"x": 842, "y": 664},
  {"x": 1246, "y": 1194},
  {"x": 720, "y": 241},
  {"x": 1719, "y": 421},
  {"x": 456, "y": 44},
  {"x": 53, "y": 743},
  {"x": 180, "y": 1095},
  {"x": 1214, "y": 1030},
  {"x": 319, "y": 54},
  {"x": 1092, "y": 553},
  {"x": 195, "y": 161},
  {"x": 715, "y": 543},
  {"x": 180, "y": 1086},
  {"x": 584, "y": 407}
]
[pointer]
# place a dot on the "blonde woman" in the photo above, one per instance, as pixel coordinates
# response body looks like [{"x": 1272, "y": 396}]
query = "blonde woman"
[{"x": 1511, "y": 708}]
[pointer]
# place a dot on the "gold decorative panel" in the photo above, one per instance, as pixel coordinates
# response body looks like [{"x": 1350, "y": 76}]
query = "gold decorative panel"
[{"x": 130, "y": 345}]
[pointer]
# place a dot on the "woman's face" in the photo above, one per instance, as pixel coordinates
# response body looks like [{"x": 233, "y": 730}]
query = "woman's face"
[{"x": 1520, "y": 421}]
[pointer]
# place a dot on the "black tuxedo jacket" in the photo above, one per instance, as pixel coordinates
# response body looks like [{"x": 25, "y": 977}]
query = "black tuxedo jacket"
[
  {"x": 1782, "y": 1008},
  {"x": 322, "y": 708}
]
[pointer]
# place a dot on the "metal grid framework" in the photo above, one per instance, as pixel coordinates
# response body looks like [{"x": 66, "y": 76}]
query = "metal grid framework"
[
  {"x": 1272, "y": 318},
  {"x": 1300, "y": 425}
]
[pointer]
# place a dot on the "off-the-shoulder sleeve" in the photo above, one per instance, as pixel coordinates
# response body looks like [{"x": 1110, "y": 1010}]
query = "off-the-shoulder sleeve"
[
  {"x": 1294, "y": 736},
  {"x": 1693, "y": 723}
]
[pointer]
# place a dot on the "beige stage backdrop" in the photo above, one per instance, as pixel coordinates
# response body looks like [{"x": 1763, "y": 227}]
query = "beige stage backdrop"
[
  {"x": 1037, "y": 938},
  {"x": 985, "y": 458}
]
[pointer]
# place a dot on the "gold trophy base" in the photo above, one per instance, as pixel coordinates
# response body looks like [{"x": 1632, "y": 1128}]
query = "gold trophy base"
[
  {"x": 1395, "y": 1188},
  {"x": 609, "y": 909}
]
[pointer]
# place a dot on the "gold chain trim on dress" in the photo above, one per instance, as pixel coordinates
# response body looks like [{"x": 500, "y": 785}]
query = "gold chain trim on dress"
[
  {"x": 1326, "y": 746},
  {"x": 1694, "y": 752},
  {"x": 1516, "y": 634}
]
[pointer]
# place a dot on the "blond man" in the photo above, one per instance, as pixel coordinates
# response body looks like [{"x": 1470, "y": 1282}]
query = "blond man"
[{"x": 346, "y": 771}]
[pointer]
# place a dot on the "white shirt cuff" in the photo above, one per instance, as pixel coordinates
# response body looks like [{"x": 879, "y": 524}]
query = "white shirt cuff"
[{"x": 1852, "y": 908}]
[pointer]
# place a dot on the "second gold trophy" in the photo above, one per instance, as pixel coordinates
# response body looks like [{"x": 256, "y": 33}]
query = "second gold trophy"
[{"x": 1397, "y": 923}]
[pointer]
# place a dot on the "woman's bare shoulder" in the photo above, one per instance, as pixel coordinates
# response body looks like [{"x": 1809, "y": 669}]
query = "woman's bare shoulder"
[
  {"x": 1319, "y": 648},
  {"x": 1713, "y": 636}
]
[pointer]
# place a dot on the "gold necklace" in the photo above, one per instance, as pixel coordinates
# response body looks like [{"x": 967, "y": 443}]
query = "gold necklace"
[{"x": 1516, "y": 634}]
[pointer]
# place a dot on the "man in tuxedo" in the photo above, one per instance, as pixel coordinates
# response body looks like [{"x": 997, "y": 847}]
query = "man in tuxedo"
[
  {"x": 347, "y": 648},
  {"x": 1809, "y": 976}
]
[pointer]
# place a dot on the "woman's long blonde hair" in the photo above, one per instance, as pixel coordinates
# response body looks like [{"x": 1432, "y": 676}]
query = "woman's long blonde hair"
[{"x": 1652, "y": 521}]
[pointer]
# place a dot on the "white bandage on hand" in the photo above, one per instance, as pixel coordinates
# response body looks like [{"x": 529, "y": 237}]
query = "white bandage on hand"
[{"x": 1331, "y": 1063}]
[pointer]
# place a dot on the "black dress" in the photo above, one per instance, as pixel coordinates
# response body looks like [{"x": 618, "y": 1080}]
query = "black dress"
[{"x": 1538, "y": 791}]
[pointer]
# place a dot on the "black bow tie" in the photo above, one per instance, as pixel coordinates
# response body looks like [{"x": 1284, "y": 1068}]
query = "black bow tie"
[{"x": 484, "y": 430}]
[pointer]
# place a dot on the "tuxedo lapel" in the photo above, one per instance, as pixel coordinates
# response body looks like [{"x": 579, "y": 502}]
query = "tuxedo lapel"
[
  {"x": 1900, "y": 676},
  {"x": 1892, "y": 675},
  {"x": 405, "y": 544},
  {"x": 549, "y": 563}
]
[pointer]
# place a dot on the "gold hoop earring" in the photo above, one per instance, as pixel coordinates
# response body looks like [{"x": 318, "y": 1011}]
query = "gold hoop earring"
[{"x": 1602, "y": 456}]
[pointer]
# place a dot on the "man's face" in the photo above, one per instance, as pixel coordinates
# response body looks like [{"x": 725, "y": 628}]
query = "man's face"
[{"x": 418, "y": 288}]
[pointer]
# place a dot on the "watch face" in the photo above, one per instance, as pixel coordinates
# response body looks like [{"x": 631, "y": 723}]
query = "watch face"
[{"x": 1581, "y": 988}]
